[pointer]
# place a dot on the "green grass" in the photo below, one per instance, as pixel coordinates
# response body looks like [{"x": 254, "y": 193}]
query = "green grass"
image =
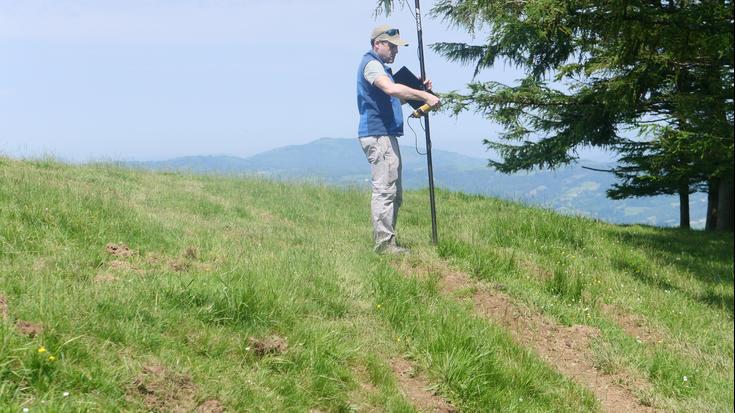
[
  {"x": 677, "y": 282},
  {"x": 296, "y": 261}
]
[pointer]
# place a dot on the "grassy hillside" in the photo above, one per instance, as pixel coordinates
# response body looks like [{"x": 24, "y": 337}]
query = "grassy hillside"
[
  {"x": 138, "y": 291},
  {"x": 572, "y": 189}
]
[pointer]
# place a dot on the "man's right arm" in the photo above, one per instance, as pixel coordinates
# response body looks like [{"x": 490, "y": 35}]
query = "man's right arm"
[{"x": 404, "y": 92}]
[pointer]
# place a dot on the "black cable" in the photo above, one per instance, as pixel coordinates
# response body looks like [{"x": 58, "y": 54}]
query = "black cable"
[
  {"x": 409, "y": 7},
  {"x": 416, "y": 137},
  {"x": 413, "y": 14}
]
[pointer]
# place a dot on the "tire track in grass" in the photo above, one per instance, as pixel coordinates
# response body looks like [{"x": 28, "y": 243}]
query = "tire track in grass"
[
  {"x": 415, "y": 387},
  {"x": 636, "y": 327},
  {"x": 566, "y": 349}
]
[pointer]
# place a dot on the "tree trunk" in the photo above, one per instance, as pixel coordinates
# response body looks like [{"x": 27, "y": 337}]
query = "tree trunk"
[
  {"x": 725, "y": 219},
  {"x": 712, "y": 195},
  {"x": 684, "y": 206}
]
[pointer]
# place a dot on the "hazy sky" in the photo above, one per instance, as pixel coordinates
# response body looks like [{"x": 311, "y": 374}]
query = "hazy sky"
[{"x": 155, "y": 79}]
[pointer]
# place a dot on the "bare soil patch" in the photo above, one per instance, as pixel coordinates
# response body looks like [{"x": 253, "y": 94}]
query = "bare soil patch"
[
  {"x": 211, "y": 406},
  {"x": 28, "y": 329},
  {"x": 39, "y": 264},
  {"x": 190, "y": 253},
  {"x": 204, "y": 267},
  {"x": 416, "y": 388},
  {"x": 153, "y": 259},
  {"x": 3, "y": 307},
  {"x": 632, "y": 325},
  {"x": 268, "y": 345},
  {"x": 536, "y": 270},
  {"x": 120, "y": 265},
  {"x": 179, "y": 265},
  {"x": 359, "y": 397},
  {"x": 366, "y": 386},
  {"x": 164, "y": 390},
  {"x": 105, "y": 278},
  {"x": 564, "y": 348},
  {"x": 119, "y": 250}
]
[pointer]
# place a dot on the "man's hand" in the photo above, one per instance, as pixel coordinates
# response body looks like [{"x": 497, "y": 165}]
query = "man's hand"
[
  {"x": 433, "y": 100},
  {"x": 427, "y": 84}
]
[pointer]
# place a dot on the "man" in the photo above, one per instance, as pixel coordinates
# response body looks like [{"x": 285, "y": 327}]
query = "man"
[{"x": 381, "y": 123}]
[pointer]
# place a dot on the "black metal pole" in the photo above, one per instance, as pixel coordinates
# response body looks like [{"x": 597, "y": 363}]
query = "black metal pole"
[{"x": 419, "y": 30}]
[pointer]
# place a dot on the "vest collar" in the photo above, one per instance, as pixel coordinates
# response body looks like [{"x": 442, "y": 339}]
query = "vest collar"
[{"x": 375, "y": 55}]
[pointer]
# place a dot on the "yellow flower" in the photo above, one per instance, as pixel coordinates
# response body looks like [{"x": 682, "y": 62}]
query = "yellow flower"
[
  {"x": 42, "y": 349},
  {"x": 51, "y": 358},
  {"x": 379, "y": 306}
]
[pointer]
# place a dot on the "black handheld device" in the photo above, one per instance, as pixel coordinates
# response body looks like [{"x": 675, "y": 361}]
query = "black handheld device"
[{"x": 405, "y": 77}]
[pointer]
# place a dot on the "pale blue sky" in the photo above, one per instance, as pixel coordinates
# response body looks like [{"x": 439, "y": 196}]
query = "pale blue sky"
[{"x": 155, "y": 79}]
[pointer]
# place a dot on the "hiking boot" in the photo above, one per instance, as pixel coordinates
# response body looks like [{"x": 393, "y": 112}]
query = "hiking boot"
[
  {"x": 395, "y": 250},
  {"x": 391, "y": 247}
]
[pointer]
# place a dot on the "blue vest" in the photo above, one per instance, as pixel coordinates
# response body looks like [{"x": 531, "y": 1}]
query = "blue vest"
[{"x": 380, "y": 114}]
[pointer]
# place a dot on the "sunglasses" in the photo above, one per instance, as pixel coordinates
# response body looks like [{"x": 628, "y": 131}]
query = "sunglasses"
[{"x": 392, "y": 32}]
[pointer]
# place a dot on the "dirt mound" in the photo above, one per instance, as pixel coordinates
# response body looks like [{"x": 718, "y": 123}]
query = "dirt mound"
[
  {"x": 28, "y": 329},
  {"x": 269, "y": 345},
  {"x": 164, "y": 390},
  {"x": 119, "y": 250},
  {"x": 24, "y": 327},
  {"x": 211, "y": 406},
  {"x": 415, "y": 388}
]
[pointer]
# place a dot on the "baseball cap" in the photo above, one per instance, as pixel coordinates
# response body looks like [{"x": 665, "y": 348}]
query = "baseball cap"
[{"x": 387, "y": 33}]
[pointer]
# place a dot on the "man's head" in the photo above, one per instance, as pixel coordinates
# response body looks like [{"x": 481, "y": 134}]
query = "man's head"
[{"x": 385, "y": 41}]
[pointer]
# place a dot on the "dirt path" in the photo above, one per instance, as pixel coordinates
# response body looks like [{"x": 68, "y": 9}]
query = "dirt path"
[
  {"x": 412, "y": 385},
  {"x": 415, "y": 387},
  {"x": 564, "y": 348}
]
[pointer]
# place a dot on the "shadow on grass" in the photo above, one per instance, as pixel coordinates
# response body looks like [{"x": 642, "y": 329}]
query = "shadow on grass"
[
  {"x": 707, "y": 256},
  {"x": 712, "y": 253}
]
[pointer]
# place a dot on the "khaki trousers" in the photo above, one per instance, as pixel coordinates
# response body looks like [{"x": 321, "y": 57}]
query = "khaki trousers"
[{"x": 384, "y": 156}]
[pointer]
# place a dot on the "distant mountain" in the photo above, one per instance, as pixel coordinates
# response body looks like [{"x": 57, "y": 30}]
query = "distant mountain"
[{"x": 572, "y": 190}]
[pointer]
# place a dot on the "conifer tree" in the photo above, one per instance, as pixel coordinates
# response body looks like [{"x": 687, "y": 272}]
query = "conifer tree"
[{"x": 651, "y": 79}]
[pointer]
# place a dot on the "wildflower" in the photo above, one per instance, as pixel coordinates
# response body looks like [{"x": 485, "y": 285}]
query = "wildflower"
[
  {"x": 247, "y": 348},
  {"x": 26, "y": 410},
  {"x": 65, "y": 394},
  {"x": 51, "y": 358},
  {"x": 686, "y": 378},
  {"x": 379, "y": 306},
  {"x": 42, "y": 349}
]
